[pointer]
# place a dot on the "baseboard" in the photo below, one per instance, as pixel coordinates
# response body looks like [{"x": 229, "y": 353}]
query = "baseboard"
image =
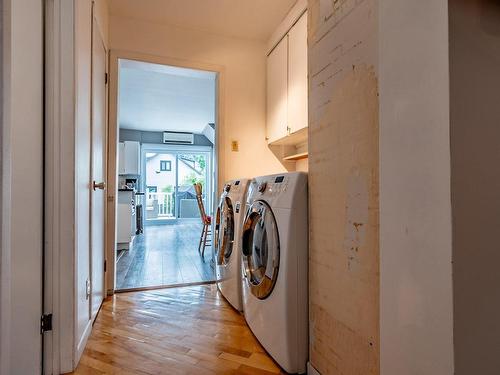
[
  {"x": 311, "y": 370},
  {"x": 82, "y": 343}
]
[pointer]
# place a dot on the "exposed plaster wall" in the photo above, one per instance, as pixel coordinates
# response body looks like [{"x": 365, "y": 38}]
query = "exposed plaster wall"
[
  {"x": 243, "y": 62},
  {"x": 344, "y": 187},
  {"x": 416, "y": 318},
  {"x": 475, "y": 183}
]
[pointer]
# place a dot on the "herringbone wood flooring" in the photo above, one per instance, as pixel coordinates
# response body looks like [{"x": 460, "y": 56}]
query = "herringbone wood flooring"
[{"x": 190, "y": 330}]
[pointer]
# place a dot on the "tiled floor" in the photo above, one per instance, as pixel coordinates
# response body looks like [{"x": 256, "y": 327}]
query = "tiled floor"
[
  {"x": 176, "y": 331},
  {"x": 165, "y": 255}
]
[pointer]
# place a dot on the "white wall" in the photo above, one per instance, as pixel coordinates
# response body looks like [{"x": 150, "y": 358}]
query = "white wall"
[
  {"x": 243, "y": 64},
  {"x": 415, "y": 210},
  {"x": 22, "y": 192}
]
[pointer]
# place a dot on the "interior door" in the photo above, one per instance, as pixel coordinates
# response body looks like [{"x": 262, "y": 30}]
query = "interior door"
[{"x": 98, "y": 170}]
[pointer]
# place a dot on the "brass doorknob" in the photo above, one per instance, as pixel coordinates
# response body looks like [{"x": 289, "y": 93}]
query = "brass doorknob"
[{"x": 100, "y": 185}]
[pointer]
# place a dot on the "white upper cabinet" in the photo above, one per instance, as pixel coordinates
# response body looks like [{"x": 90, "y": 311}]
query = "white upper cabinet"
[
  {"x": 129, "y": 158},
  {"x": 277, "y": 102},
  {"x": 287, "y": 83},
  {"x": 297, "y": 75}
]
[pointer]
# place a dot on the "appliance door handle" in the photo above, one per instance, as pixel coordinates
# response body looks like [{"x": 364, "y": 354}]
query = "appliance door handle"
[{"x": 100, "y": 185}]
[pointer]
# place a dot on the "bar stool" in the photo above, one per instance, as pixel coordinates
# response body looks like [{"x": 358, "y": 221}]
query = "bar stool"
[{"x": 206, "y": 231}]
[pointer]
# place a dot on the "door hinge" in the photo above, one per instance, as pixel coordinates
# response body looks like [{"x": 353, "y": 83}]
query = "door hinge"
[
  {"x": 105, "y": 264},
  {"x": 46, "y": 323},
  {"x": 105, "y": 78}
]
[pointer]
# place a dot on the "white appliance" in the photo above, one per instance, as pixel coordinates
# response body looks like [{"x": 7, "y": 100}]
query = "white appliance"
[
  {"x": 178, "y": 138},
  {"x": 227, "y": 244},
  {"x": 275, "y": 264}
]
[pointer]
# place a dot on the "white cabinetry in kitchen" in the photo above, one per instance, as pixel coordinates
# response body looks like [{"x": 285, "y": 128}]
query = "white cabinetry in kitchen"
[
  {"x": 129, "y": 158},
  {"x": 287, "y": 83},
  {"x": 125, "y": 219}
]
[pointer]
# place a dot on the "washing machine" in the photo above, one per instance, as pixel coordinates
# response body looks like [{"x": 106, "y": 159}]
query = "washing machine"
[
  {"x": 275, "y": 266},
  {"x": 227, "y": 244}
]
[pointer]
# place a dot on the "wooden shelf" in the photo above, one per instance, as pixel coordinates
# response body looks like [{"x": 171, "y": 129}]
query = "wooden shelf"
[
  {"x": 293, "y": 139},
  {"x": 299, "y": 156}
]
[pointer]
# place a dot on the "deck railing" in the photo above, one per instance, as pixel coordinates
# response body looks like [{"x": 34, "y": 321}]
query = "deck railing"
[{"x": 160, "y": 205}]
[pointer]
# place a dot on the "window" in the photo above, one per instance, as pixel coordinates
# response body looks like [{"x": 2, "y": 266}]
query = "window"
[{"x": 165, "y": 165}]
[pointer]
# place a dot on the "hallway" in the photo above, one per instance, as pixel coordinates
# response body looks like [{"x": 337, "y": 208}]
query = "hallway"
[{"x": 190, "y": 330}]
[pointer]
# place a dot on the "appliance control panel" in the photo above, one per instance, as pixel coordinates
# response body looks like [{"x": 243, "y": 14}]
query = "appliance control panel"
[{"x": 273, "y": 186}]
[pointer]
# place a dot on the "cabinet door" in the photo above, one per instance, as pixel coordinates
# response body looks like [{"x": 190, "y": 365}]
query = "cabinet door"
[
  {"x": 297, "y": 75},
  {"x": 121, "y": 158},
  {"x": 276, "y": 122},
  {"x": 132, "y": 158}
]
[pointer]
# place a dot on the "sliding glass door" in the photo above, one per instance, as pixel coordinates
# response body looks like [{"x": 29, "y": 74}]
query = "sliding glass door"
[{"x": 168, "y": 178}]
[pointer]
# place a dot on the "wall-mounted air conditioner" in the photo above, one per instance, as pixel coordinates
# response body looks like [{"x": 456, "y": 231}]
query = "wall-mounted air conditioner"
[{"x": 178, "y": 138}]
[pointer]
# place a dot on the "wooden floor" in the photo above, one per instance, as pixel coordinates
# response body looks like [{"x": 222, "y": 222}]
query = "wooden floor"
[
  {"x": 190, "y": 330},
  {"x": 164, "y": 255}
]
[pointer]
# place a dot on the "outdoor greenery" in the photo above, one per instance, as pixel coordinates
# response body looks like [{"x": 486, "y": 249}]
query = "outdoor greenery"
[
  {"x": 193, "y": 178},
  {"x": 167, "y": 189}
]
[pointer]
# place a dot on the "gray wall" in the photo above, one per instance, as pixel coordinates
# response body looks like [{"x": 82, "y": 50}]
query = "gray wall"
[
  {"x": 474, "y": 27},
  {"x": 156, "y": 137}
]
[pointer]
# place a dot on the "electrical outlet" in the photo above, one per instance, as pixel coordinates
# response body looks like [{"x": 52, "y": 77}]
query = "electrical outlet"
[{"x": 234, "y": 146}]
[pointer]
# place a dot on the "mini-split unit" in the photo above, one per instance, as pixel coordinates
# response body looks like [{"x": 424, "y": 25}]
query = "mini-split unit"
[{"x": 178, "y": 138}]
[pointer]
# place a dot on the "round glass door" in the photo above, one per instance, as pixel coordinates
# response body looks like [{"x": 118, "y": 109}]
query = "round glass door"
[
  {"x": 261, "y": 249},
  {"x": 224, "y": 231}
]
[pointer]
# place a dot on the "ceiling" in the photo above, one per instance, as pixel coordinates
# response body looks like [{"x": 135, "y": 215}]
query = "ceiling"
[
  {"x": 156, "y": 97},
  {"x": 255, "y": 19}
]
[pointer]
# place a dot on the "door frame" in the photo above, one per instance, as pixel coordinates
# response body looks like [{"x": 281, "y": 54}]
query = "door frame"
[
  {"x": 176, "y": 150},
  {"x": 113, "y": 138}
]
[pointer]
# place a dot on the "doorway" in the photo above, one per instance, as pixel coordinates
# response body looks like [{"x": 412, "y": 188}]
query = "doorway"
[{"x": 166, "y": 143}]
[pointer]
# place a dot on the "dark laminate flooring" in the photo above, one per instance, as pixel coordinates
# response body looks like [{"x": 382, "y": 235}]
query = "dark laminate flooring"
[{"x": 164, "y": 255}]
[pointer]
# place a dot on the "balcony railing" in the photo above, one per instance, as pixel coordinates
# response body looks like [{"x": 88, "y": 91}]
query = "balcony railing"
[{"x": 160, "y": 205}]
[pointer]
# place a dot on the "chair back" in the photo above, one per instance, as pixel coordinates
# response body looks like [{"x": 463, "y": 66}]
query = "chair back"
[{"x": 199, "y": 198}]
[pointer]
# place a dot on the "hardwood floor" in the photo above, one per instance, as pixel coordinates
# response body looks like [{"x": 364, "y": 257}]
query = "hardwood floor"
[
  {"x": 190, "y": 330},
  {"x": 164, "y": 255}
]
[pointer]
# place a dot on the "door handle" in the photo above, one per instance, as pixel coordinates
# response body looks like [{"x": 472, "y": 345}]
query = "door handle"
[{"x": 100, "y": 186}]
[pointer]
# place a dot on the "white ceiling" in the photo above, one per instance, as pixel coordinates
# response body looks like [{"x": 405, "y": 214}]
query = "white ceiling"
[
  {"x": 254, "y": 19},
  {"x": 155, "y": 97}
]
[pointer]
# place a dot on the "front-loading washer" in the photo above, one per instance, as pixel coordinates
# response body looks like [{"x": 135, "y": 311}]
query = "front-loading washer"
[
  {"x": 275, "y": 265},
  {"x": 227, "y": 244}
]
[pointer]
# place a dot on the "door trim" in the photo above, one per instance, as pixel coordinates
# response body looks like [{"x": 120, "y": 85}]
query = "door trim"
[{"x": 113, "y": 128}]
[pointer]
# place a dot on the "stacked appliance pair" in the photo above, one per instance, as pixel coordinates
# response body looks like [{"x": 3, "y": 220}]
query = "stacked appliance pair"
[{"x": 262, "y": 261}]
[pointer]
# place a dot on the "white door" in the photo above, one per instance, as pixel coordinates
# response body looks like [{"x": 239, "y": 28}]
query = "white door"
[
  {"x": 297, "y": 75},
  {"x": 98, "y": 170},
  {"x": 276, "y": 123}
]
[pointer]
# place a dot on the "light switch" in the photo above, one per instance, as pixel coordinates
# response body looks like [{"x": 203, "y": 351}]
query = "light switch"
[{"x": 234, "y": 146}]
